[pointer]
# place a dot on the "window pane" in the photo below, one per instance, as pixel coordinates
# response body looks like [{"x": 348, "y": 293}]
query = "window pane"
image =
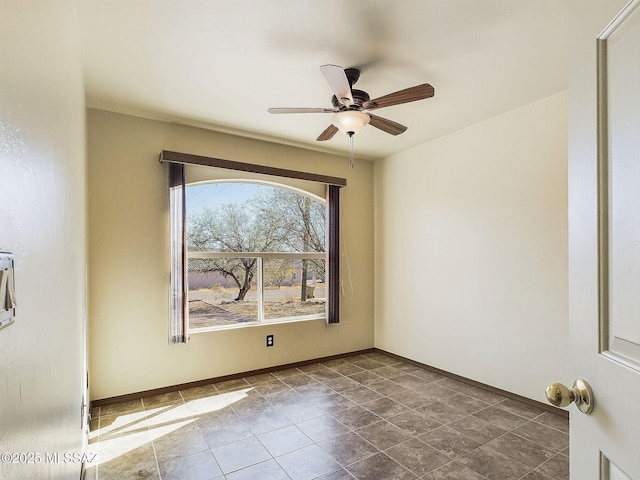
[
  {"x": 222, "y": 291},
  {"x": 284, "y": 295},
  {"x": 239, "y": 217}
]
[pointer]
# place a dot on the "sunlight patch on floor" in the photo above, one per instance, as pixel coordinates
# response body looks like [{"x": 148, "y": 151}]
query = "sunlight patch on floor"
[{"x": 130, "y": 431}]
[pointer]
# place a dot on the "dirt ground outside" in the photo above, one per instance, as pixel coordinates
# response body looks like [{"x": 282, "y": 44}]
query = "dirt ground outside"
[{"x": 216, "y": 306}]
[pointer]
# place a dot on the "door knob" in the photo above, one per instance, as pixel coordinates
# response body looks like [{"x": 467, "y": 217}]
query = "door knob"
[{"x": 560, "y": 395}]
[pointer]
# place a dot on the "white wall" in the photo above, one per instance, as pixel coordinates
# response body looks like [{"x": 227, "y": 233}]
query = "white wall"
[
  {"x": 129, "y": 270},
  {"x": 42, "y": 221},
  {"x": 471, "y": 250}
]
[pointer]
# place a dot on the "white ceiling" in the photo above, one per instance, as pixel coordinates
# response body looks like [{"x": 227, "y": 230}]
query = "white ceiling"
[{"x": 221, "y": 63}]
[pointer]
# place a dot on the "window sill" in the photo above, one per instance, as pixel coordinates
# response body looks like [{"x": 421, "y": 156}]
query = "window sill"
[{"x": 276, "y": 321}]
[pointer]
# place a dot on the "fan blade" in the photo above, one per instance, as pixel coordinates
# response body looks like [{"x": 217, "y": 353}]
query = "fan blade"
[
  {"x": 302, "y": 110},
  {"x": 386, "y": 125},
  {"x": 337, "y": 80},
  {"x": 328, "y": 134},
  {"x": 411, "y": 94}
]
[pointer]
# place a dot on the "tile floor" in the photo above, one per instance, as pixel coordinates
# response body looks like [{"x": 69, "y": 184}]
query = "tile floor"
[{"x": 367, "y": 417}]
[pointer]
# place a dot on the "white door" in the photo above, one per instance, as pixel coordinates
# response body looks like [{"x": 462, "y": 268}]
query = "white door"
[{"x": 604, "y": 232}]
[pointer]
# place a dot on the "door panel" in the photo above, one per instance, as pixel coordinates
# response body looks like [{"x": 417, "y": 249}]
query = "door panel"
[
  {"x": 604, "y": 236},
  {"x": 619, "y": 137},
  {"x": 610, "y": 471},
  {"x": 617, "y": 474}
]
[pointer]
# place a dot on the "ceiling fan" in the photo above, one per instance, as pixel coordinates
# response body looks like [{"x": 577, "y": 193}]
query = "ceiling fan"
[{"x": 351, "y": 107}]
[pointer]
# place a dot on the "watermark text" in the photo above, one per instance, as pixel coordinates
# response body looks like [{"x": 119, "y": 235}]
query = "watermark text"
[{"x": 47, "y": 457}]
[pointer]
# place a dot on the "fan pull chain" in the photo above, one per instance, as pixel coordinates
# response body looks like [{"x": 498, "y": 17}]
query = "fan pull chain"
[{"x": 352, "y": 163}]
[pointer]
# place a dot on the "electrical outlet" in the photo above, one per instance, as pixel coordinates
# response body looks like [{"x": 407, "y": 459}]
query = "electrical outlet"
[{"x": 269, "y": 340}]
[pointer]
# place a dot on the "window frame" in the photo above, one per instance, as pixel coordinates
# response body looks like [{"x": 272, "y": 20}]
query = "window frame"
[{"x": 178, "y": 322}]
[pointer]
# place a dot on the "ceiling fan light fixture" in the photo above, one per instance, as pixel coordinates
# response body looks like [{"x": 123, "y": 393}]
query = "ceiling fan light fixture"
[{"x": 350, "y": 122}]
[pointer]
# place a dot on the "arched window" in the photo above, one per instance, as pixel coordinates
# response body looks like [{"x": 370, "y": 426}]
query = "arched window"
[
  {"x": 245, "y": 250},
  {"x": 256, "y": 253}
]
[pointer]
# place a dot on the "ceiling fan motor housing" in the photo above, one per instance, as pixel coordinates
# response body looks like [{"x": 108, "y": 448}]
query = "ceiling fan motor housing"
[{"x": 359, "y": 97}]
